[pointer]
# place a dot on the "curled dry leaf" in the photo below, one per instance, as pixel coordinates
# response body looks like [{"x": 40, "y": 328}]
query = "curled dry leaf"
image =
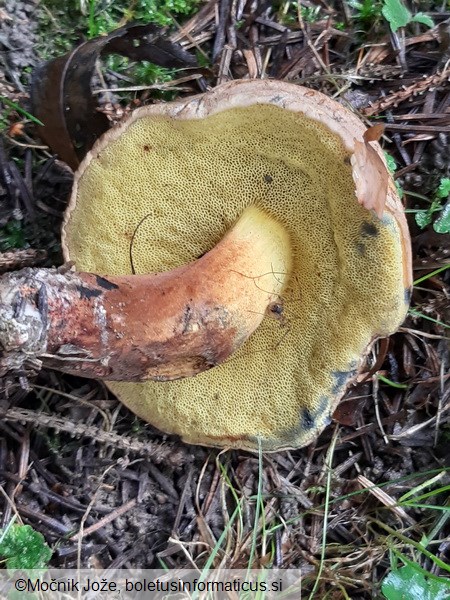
[
  {"x": 369, "y": 172},
  {"x": 374, "y": 133},
  {"x": 61, "y": 88},
  {"x": 349, "y": 411}
]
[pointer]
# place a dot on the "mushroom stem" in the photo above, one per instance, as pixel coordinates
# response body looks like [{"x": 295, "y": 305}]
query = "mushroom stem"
[{"x": 160, "y": 326}]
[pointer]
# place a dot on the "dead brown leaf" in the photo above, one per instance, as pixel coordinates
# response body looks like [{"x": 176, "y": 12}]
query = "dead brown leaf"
[
  {"x": 370, "y": 174},
  {"x": 61, "y": 89},
  {"x": 374, "y": 133}
]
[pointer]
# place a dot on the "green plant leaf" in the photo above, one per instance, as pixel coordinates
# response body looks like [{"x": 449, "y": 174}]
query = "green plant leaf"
[
  {"x": 12, "y": 236},
  {"x": 409, "y": 583},
  {"x": 24, "y": 548},
  {"x": 392, "y": 167},
  {"x": 444, "y": 188},
  {"x": 396, "y": 14},
  {"x": 21, "y": 111},
  {"x": 368, "y": 11},
  {"x": 423, "y": 218},
  {"x": 390, "y": 161},
  {"x": 442, "y": 223},
  {"x": 400, "y": 386},
  {"x": 160, "y": 11},
  {"x": 416, "y": 313},
  {"x": 423, "y": 18}
]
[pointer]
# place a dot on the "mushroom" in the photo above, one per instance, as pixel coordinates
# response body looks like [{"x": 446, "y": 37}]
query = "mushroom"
[{"x": 326, "y": 268}]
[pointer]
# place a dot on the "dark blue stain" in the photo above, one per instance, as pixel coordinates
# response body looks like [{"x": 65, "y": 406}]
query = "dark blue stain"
[
  {"x": 310, "y": 420},
  {"x": 369, "y": 230},
  {"x": 88, "y": 293},
  {"x": 105, "y": 284},
  {"x": 307, "y": 420},
  {"x": 327, "y": 421},
  {"x": 323, "y": 406},
  {"x": 340, "y": 380},
  {"x": 408, "y": 294}
]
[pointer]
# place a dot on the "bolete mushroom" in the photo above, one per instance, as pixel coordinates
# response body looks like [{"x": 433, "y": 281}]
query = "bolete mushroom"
[
  {"x": 323, "y": 270},
  {"x": 163, "y": 188}
]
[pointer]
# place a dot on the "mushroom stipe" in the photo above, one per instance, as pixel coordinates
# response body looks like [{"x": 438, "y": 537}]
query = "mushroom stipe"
[
  {"x": 172, "y": 180},
  {"x": 163, "y": 326}
]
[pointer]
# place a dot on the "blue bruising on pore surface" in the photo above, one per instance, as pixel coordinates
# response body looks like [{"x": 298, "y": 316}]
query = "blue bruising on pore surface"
[
  {"x": 341, "y": 379},
  {"x": 369, "y": 230},
  {"x": 309, "y": 418},
  {"x": 311, "y": 422}
]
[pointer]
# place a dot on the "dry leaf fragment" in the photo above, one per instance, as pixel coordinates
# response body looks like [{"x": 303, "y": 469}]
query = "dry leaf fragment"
[
  {"x": 15, "y": 129},
  {"x": 374, "y": 133},
  {"x": 369, "y": 172},
  {"x": 61, "y": 88}
]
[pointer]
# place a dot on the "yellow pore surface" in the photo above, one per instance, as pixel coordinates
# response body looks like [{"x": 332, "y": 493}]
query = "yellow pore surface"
[{"x": 168, "y": 190}]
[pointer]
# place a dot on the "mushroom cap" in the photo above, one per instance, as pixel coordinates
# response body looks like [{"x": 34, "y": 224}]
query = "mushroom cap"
[{"x": 163, "y": 188}]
